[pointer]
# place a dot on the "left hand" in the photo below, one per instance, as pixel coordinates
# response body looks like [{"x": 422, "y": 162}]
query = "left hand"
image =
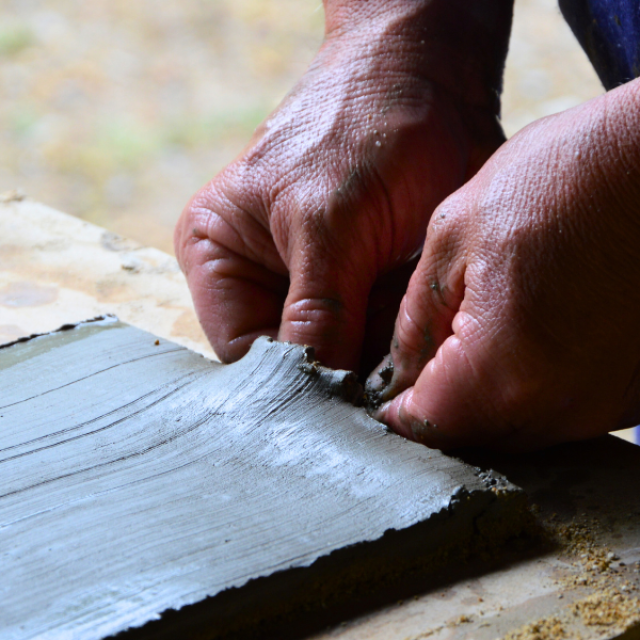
[
  {"x": 521, "y": 325},
  {"x": 311, "y": 234}
]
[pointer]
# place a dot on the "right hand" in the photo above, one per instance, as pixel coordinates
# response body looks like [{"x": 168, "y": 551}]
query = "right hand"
[
  {"x": 311, "y": 235},
  {"x": 519, "y": 328}
]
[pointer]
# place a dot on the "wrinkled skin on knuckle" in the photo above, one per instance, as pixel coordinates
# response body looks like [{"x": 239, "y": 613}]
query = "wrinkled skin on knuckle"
[
  {"x": 351, "y": 130},
  {"x": 484, "y": 370},
  {"x": 342, "y": 180},
  {"x": 316, "y": 316},
  {"x": 231, "y": 211},
  {"x": 458, "y": 408},
  {"x": 537, "y": 381},
  {"x": 188, "y": 231}
]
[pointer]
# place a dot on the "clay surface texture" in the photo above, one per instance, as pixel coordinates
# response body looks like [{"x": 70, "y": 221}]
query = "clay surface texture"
[{"x": 146, "y": 488}]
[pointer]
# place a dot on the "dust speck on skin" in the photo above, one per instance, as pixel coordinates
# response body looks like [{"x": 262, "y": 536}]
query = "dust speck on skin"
[
  {"x": 428, "y": 338},
  {"x": 333, "y": 304},
  {"x": 378, "y": 383},
  {"x": 393, "y": 97},
  {"x": 439, "y": 291},
  {"x": 426, "y": 352},
  {"x": 352, "y": 183}
]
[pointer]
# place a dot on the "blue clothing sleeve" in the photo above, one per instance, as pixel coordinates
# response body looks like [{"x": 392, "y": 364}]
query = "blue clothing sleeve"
[{"x": 609, "y": 32}]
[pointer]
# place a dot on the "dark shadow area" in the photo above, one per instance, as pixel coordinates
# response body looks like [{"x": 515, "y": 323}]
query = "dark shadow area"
[
  {"x": 216, "y": 617},
  {"x": 575, "y": 479},
  {"x": 417, "y": 585}
]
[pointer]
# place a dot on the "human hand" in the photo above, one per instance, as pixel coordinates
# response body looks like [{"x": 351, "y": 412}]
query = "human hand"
[
  {"x": 312, "y": 233},
  {"x": 521, "y": 324}
]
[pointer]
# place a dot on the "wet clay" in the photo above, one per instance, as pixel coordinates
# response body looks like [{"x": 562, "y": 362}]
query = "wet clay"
[{"x": 147, "y": 490}]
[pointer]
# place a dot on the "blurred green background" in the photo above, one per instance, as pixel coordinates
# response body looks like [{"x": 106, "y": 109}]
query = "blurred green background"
[{"x": 118, "y": 111}]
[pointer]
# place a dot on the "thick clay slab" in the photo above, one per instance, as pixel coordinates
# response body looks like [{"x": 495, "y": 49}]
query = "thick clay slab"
[{"x": 141, "y": 482}]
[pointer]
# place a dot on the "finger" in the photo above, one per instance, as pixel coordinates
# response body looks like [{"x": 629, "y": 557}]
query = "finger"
[
  {"x": 237, "y": 280},
  {"x": 326, "y": 305},
  {"x": 482, "y": 388},
  {"x": 427, "y": 309},
  {"x": 236, "y": 300},
  {"x": 442, "y": 409},
  {"x": 383, "y": 305}
]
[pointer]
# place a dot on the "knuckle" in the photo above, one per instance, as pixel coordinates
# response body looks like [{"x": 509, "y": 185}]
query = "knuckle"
[
  {"x": 321, "y": 321},
  {"x": 315, "y": 311},
  {"x": 225, "y": 214}
]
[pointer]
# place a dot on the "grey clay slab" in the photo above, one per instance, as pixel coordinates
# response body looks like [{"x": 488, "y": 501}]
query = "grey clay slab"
[{"x": 141, "y": 482}]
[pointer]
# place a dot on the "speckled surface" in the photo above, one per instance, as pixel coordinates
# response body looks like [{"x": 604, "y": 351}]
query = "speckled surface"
[{"x": 140, "y": 477}]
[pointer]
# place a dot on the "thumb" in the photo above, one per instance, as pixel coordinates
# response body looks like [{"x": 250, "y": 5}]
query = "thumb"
[
  {"x": 426, "y": 312},
  {"x": 326, "y": 307},
  {"x": 445, "y": 406}
]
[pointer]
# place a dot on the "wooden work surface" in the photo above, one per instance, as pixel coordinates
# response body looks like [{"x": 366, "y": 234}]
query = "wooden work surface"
[{"x": 55, "y": 269}]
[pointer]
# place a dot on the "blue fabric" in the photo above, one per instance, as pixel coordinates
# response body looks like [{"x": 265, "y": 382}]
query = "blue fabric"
[{"x": 609, "y": 32}]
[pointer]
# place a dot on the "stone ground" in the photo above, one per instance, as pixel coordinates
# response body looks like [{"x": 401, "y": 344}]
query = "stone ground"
[{"x": 116, "y": 111}]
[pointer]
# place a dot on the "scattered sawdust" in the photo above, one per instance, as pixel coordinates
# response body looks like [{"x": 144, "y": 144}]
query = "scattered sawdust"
[
  {"x": 595, "y": 566},
  {"x": 608, "y": 608},
  {"x": 598, "y": 595},
  {"x": 550, "y": 628}
]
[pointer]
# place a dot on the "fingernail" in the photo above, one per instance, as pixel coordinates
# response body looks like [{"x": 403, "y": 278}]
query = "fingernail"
[{"x": 395, "y": 414}]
